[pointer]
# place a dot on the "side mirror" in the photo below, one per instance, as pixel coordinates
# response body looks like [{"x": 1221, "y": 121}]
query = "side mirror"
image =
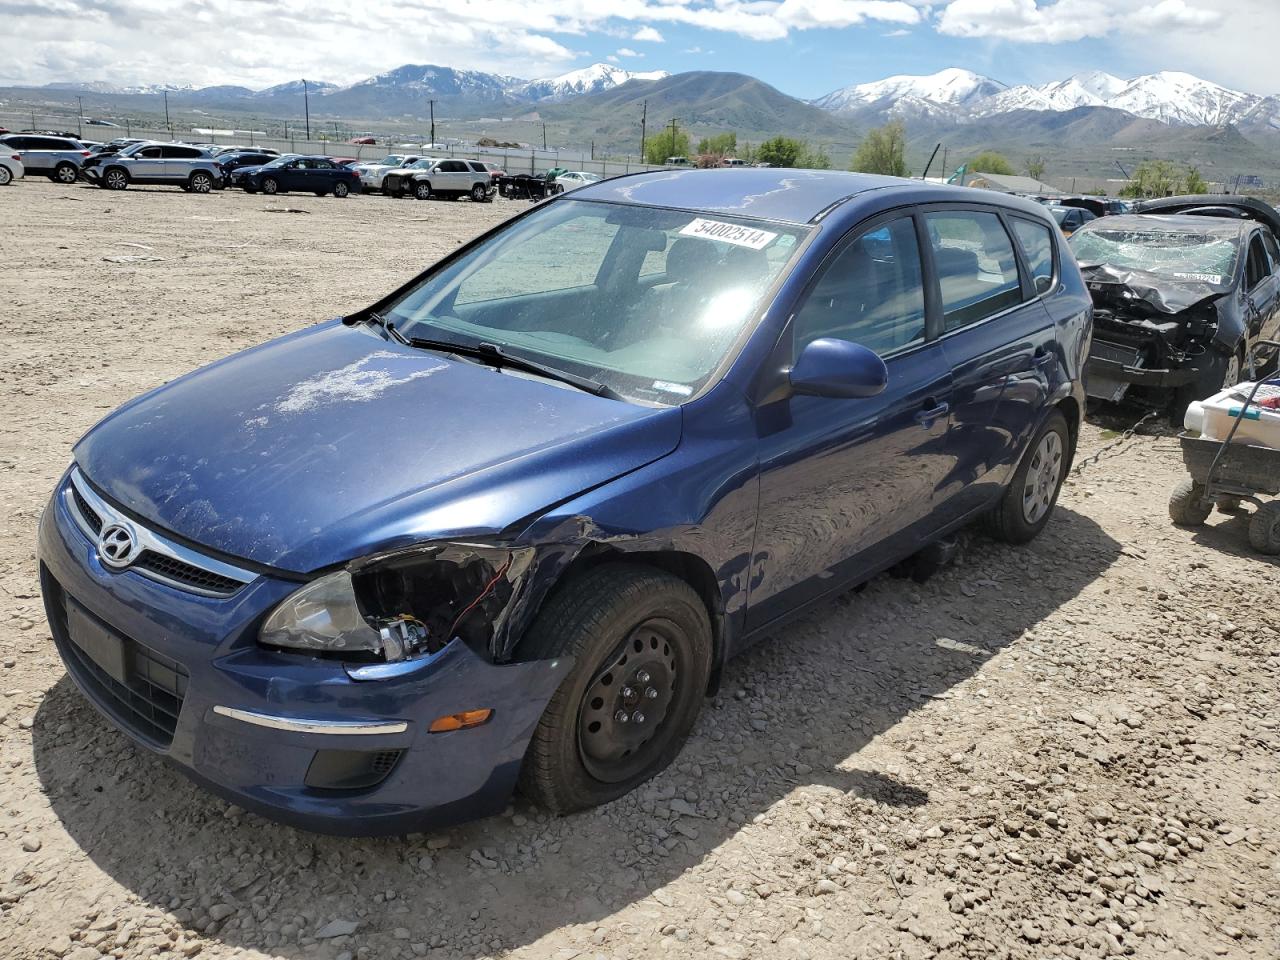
[{"x": 828, "y": 367}]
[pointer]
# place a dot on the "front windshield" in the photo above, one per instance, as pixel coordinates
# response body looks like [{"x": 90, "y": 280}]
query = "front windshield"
[
  {"x": 1173, "y": 255},
  {"x": 280, "y": 161},
  {"x": 646, "y": 300}
]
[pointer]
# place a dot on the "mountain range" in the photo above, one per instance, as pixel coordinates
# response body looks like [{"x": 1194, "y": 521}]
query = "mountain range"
[{"x": 960, "y": 96}]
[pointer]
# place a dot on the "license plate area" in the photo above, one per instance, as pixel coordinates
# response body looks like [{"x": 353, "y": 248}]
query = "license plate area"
[{"x": 100, "y": 644}]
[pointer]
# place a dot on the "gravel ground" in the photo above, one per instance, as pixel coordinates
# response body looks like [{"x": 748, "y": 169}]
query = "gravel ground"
[{"x": 1069, "y": 749}]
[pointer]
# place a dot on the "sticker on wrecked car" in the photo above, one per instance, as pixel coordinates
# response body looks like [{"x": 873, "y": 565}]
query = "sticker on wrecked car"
[{"x": 728, "y": 233}]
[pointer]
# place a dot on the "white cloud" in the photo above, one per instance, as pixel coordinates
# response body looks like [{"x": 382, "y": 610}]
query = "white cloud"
[
  {"x": 897, "y": 33},
  {"x": 1064, "y": 21},
  {"x": 648, "y": 35},
  {"x": 628, "y": 52}
]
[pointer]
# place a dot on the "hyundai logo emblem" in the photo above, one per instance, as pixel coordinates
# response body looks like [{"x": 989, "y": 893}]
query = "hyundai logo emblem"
[{"x": 116, "y": 545}]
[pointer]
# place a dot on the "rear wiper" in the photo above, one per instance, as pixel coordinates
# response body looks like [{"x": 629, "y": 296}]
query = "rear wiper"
[
  {"x": 496, "y": 356},
  {"x": 388, "y": 327}
]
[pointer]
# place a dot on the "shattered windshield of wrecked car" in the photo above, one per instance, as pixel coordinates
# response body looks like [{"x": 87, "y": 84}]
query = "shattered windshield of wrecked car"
[
  {"x": 648, "y": 301},
  {"x": 1197, "y": 257}
]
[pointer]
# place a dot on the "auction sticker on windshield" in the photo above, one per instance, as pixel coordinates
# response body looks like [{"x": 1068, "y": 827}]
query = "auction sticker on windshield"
[
  {"x": 1213, "y": 279},
  {"x": 729, "y": 233}
]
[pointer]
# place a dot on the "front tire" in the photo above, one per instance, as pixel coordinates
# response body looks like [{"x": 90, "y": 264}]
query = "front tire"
[
  {"x": 641, "y": 639},
  {"x": 1222, "y": 371},
  {"x": 1264, "y": 528},
  {"x": 115, "y": 179},
  {"x": 1028, "y": 501},
  {"x": 422, "y": 190},
  {"x": 65, "y": 173},
  {"x": 1187, "y": 505},
  {"x": 200, "y": 182},
  {"x": 6, "y": 176}
]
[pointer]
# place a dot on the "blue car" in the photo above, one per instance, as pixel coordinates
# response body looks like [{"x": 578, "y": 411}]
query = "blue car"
[{"x": 507, "y": 525}]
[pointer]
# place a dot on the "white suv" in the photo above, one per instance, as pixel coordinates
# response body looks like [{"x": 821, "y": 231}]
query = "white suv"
[
  {"x": 11, "y": 167},
  {"x": 442, "y": 178},
  {"x": 371, "y": 174}
]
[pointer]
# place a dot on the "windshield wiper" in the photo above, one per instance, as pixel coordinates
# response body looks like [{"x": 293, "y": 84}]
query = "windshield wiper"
[
  {"x": 496, "y": 356},
  {"x": 388, "y": 327}
]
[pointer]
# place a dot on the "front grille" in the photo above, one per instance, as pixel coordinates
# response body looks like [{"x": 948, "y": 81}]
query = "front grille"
[
  {"x": 184, "y": 573},
  {"x": 148, "y": 701},
  {"x": 87, "y": 512}
]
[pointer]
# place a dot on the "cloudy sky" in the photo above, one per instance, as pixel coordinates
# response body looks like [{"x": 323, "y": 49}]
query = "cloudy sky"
[{"x": 804, "y": 47}]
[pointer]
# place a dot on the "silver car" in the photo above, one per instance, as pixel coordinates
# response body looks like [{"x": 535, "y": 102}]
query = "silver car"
[
  {"x": 11, "y": 167},
  {"x": 168, "y": 164},
  {"x": 58, "y": 158},
  {"x": 441, "y": 178}
]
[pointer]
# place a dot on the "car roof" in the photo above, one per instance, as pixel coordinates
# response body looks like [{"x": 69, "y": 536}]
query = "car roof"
[
  {"x": 774, "y": 193},
  {"x": 1173, "y": 223}
]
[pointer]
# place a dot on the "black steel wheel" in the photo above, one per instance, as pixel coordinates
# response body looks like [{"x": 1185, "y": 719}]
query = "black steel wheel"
[{"x": 641, "y": 643}]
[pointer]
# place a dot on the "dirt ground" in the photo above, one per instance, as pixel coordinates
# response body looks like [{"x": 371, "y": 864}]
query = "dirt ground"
[{"x": 1068, "y": 749}]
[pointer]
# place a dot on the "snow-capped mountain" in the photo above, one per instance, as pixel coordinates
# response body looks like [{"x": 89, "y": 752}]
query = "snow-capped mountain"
[
  {"x": 313, "y": 87},
  {"x": 592, "y": 79},
  {"x": 951, "y": 88},
  {"x": 103, "y": 87},
  {"x": 428, "y": 78},
  {"x": 959, "y": 95}
]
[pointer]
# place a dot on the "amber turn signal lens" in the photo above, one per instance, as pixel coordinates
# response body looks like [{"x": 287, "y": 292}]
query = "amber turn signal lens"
[{"x": 460, "y": 721}]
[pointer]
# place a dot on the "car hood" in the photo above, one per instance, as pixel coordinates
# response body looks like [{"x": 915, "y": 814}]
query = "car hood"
[{"x": 332, "y": 443}]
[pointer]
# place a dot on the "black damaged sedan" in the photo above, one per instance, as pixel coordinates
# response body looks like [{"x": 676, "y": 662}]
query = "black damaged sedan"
[{"x": 1181, "y": 289}]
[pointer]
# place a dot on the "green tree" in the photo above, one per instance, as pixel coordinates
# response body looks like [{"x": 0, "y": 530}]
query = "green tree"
[
  {"x": 1194, "y": 183},
  {"x": 1154, "y": 178},
  {"x": 662, "y": 145},
  {"x": 884, "y": 150},
  {"x": 721, "y": 145},
  {"x": 815, "y": 158},
  {"x": 1035, "y": 167},
  {"x": 990, "y": 162},
  {"x": 780, "y": 152}
]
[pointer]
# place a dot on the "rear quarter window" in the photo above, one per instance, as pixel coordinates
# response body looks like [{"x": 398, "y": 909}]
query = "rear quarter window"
[{"x": 1036, "y": 240}]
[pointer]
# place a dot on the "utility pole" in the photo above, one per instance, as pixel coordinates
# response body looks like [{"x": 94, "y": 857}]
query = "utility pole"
[
  {"x": 168, "y": 126},
  {"x": 945, "y": 175},
  {"x": 306, "y": 106},
  {"x": 80, "y": 121},
  {"x": 431, "y": 104},
  {"x": 673, "y": 135},
  {"x": 644, "y": 116},
  {"x": 544, "y": 135}
]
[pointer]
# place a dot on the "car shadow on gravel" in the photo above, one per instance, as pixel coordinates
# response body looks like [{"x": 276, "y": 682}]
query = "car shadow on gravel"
[{"x": 793, "y": 712}]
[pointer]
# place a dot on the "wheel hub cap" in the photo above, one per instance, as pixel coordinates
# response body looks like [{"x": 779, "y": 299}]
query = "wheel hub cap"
[{"x": 1042, "y": 478}]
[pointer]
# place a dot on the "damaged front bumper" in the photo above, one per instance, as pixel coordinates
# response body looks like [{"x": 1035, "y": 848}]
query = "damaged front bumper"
[
  {"x": 1113, "y": 368},
  {"x": 309, "y": 741}
]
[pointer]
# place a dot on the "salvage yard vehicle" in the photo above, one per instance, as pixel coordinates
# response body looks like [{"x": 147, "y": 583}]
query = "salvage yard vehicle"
[
  {"x": 509, "y": 522},
  {"x": 1182, "y": 290},
  {"x": 161, "y": 164},
  {"x": 574, "y": 179},
  {"x": 11, "y": 167},
  {"x": 371, "y": 174},
  {"x": 1071, "y": 219},
  {"x": 447, "y": 178},
  {"x": 58, "y": 158},
  {"x": 318, "y": 175},
  {"x": 236, "y": 163}
]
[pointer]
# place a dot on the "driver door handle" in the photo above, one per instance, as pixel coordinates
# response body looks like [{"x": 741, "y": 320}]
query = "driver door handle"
[{"x": 932, "y": 412}]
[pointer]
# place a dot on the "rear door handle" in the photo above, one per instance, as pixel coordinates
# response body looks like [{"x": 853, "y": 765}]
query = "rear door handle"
[{"x": 933, "y": 412}]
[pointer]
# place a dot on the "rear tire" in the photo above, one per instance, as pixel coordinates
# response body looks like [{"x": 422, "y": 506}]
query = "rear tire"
[
  {"x": 66, "y": 173},
  {"x": 1028, "y": 501},
  {"x": 641, "y": 639},
  {"x": 1187, "y": 506},
  {"x": 479, "y": 193},
  {"x": 340, "y": 190},
  {"x": 1264, "y": 528}
]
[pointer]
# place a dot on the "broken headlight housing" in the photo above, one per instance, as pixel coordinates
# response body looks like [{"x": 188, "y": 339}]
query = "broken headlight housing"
[{"x": 401, "y": 606}]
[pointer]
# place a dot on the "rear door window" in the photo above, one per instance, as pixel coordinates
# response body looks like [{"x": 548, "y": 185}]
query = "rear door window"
[
  {"x": 977, "y": 270},
  {"x": 179, "y": 153},
  {"x": 1258, "y": 267},
  {"x": 1037, "y": 247},
  {"x": 871, "y": 293}
]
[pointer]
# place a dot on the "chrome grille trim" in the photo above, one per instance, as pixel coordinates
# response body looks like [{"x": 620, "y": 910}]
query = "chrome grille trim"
[{"x": 149, "y": 541}]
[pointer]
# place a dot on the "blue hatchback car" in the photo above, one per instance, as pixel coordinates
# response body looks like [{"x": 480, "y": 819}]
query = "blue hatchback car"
[{"x": 507, "y": 524}]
